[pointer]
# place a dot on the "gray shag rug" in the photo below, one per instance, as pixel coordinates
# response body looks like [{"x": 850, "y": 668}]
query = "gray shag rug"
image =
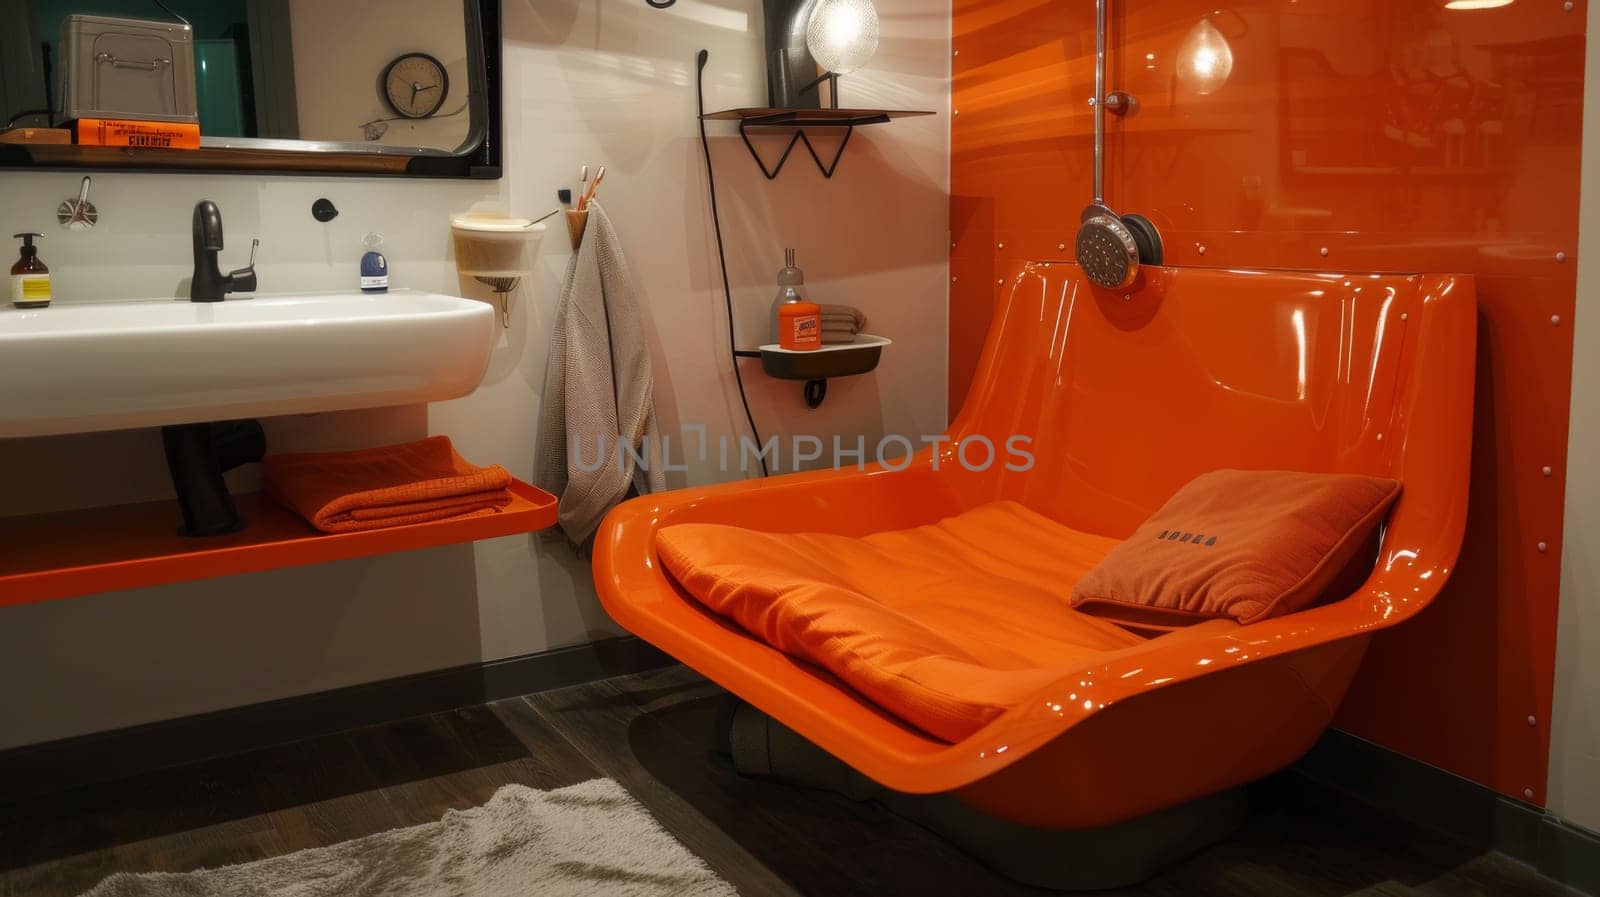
[{"x": 587, "y": 840}]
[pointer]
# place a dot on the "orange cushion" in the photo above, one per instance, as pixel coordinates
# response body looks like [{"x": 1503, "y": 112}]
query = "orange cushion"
[
  {"x": 1246, "y": 544},
  {"x": 945, "y": 626}
]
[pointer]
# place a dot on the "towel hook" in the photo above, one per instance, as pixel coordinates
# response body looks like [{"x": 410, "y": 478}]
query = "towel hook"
[{"x": 78, "y": 214}]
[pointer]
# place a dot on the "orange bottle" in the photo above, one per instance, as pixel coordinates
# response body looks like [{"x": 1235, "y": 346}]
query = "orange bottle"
[{"x": 800, "y": 326}]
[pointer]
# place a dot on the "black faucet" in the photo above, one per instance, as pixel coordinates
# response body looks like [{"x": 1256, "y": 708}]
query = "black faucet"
[{"x": 209, "y": 284}]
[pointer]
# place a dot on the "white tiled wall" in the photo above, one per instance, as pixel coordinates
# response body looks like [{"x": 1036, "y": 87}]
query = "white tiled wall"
[{"x": 597, "y": 81}]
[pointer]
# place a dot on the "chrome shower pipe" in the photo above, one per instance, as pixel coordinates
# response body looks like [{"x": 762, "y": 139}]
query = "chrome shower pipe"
[
  {"x": 1099, "y": 101},
  {"x": 1110, "y": 247}
]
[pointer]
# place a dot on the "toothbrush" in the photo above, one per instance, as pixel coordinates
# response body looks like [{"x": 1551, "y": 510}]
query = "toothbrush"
[{"x": 594, "y": 188}]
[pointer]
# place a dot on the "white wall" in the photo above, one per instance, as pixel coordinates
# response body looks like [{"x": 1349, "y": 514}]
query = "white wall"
[
  {"x": 341, "y": 47},
  {"x": 1575, "y": 727},
  {"x": 598, "y": 81}
]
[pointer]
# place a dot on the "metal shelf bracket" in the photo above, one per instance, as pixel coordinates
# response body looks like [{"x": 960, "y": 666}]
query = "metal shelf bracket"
[{"x": 800, "y": 137}]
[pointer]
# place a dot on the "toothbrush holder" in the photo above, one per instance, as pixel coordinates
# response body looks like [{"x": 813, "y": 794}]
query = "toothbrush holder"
[{"x": 577, "y": 222}]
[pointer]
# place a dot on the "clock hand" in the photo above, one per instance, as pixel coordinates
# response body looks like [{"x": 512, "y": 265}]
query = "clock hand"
[{"x": 415, "y": 87}]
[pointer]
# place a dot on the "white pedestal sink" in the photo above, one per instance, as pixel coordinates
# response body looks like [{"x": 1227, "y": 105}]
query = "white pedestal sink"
[{"x": 117, "y": 365}]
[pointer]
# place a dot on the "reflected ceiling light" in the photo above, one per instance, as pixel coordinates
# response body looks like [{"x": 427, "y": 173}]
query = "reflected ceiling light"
[
  {"x": 1477, "y": 4},
  {"x": 843, "y": 34},
  {"x": 1204, "y": 60}
]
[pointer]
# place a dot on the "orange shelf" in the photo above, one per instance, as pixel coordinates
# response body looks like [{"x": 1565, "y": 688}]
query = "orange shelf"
[{"x": 63, "y": 555}]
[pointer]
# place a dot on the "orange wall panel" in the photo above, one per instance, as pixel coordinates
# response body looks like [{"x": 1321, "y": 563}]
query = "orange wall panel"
[{"x": 1353, "y": 135}]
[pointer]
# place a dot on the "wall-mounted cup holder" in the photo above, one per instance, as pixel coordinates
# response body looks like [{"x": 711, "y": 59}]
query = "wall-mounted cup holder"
[
  {"x": 577, "y": 223},
  {"x": 497, "y": 251}
]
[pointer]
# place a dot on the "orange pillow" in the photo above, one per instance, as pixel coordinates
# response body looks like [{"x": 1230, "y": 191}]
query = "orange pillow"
[{"x": 1246, "y": 544}]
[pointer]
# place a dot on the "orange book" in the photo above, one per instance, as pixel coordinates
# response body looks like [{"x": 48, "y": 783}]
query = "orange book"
[{"x": 138, "y": 134}]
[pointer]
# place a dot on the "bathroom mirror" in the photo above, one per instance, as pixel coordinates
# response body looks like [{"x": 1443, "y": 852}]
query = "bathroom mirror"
[{"x": 402, "y": 87}]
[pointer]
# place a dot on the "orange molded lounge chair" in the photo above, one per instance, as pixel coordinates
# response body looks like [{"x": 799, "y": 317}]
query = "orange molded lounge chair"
[{"x": 1126, "y": 398}]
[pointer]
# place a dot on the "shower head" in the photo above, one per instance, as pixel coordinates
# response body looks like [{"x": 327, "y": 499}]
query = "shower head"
[
  {"x": 1107, "y": 251},
  {"x": 1110, "y": 247}
]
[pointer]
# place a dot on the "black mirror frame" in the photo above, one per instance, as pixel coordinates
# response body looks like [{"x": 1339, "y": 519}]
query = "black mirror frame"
[{"x": 479, "y": 157}]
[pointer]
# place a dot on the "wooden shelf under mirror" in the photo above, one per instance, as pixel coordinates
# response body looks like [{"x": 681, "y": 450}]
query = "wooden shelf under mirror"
[{"x": 56, "y": 155}]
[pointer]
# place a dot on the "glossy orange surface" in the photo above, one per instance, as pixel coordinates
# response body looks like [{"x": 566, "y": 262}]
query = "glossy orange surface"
[
  {"x": 1125, "y": 398},
  {"x": 65, "y": 554},
  {"x": 1368, "y": 135}
]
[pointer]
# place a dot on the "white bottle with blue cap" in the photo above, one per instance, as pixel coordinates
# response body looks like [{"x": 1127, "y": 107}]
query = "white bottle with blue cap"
[{"x": 374, "y": 267}]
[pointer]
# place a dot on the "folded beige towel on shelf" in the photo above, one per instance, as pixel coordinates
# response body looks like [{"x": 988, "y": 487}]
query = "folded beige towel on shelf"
[
  {"x": 843, "y": 314},
  {"x": 841, "y": 323}
]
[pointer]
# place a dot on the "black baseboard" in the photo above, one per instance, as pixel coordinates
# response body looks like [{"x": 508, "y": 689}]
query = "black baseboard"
[
  {"x": 1443, "y": 801},
  {"x": 56, "y": 766}
]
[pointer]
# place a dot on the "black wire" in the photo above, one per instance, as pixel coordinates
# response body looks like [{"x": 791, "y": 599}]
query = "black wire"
[
  {"x": 12, "y": 121},
  {"x": 168, "y": 10},
  {"x": 722, "y": 259},
  {"x": 383, "y": 121}
]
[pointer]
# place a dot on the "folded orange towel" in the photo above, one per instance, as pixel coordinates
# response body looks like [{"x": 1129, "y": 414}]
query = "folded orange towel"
[{"x": 415, "y": 482}]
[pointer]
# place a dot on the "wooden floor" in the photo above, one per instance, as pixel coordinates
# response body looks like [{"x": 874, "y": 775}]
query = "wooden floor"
[{"x": 652, "y": 733}]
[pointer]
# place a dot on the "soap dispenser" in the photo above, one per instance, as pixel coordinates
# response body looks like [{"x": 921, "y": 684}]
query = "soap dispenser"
[
  {"x": 374, "y": 267},
  {"x": 30, "y": 279},
  {"x": 790, "y": 280},
  {"x": 796, "y": 321}
]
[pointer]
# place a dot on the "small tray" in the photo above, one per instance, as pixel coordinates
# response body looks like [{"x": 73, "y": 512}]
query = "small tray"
[{"x": 840, "y": 360}]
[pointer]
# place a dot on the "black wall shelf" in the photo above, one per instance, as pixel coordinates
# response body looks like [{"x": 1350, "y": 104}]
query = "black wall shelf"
[
  {"x": 769, "y": 118},
  {"x": 815, "y": 366}
]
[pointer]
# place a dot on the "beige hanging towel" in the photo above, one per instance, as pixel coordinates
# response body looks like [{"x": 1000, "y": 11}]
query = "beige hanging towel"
[{"x": 598, "y": 418}]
